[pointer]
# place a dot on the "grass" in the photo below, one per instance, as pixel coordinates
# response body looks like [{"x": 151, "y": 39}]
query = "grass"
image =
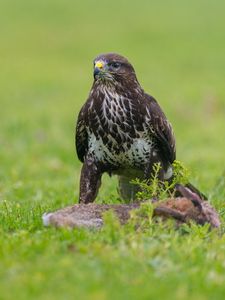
[{"x": 46, "y": 54}]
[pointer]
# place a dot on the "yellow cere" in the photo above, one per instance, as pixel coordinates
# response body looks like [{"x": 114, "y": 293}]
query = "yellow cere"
[{"x": 99, "y": 64}]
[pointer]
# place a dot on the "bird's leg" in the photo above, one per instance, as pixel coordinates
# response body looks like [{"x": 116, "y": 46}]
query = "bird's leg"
[
  {"x": 126, "y": 189},
  {"x": 90, "y": 181}
]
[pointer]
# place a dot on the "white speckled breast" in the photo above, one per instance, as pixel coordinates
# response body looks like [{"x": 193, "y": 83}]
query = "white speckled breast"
[
  {"x": 135, "y": 154},
  {"x": 114, "y": 135}
]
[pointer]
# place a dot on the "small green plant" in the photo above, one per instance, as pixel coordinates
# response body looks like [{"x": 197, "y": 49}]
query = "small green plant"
[
  {"x": 142, "y": 217},
  {"x": 156, "y": 188},
  {"x": 111, "y": 230}
]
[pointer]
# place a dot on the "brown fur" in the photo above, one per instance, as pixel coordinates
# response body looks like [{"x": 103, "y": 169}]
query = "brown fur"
[{"x": 182, "y": 209}]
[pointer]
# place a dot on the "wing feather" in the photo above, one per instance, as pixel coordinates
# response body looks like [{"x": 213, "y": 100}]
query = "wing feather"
[
  {"x": 161, "y": 130},
  {"x": 81, "y": 137}
]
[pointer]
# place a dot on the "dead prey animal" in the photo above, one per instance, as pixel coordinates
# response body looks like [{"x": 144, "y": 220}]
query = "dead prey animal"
[{"x": 189, "y": 207}]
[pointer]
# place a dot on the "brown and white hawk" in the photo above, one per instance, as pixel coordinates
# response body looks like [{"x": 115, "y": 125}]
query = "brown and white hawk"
[{"x": 121, "y": 130}]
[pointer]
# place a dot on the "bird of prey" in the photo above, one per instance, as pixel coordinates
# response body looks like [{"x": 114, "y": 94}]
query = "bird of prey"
[{"x": 121, "y": 130}]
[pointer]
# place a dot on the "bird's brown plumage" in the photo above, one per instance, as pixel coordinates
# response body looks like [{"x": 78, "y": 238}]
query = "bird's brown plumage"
[{"x": 120, "y": 130}]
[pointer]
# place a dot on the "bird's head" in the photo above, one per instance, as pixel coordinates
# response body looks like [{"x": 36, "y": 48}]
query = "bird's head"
[{"x": 112, "y": 67}]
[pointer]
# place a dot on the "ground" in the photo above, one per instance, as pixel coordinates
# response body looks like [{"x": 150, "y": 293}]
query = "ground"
[{"x": 46, "y": 53}]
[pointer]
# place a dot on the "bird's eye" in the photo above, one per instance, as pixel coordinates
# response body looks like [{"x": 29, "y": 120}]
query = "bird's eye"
[{"x": 115, "y": 65}]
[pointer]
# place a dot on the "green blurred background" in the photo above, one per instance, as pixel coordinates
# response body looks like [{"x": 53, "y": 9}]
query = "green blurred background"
[{"x": 46, "y": 53}]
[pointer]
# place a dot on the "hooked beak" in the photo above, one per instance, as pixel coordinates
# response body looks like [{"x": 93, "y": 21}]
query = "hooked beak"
[{"x": 99, "y": 68}]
